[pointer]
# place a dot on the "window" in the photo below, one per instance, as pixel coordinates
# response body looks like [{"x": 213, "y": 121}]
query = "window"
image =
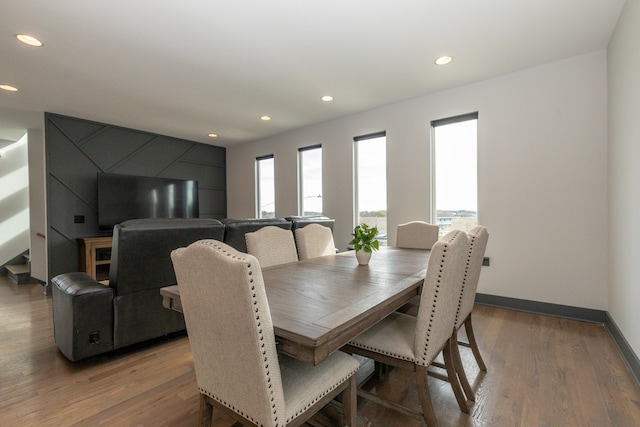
[
  {"x": 310, "y": 180},
  {"x": 265, "y": 187},
  {"x": 455, "y": 172},
  {"x": 370, "y": 182}
]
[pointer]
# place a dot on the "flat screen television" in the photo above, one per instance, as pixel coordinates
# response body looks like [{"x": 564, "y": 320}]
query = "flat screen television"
[{"x": 123, "y": 197}]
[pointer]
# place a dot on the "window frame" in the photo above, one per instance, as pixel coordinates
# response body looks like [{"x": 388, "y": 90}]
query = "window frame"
[
  {"x": 258, "y": 184},
  {"x": 434, "y": 124},
  {"x": 356, "y": 179},
  {"x": 301, "y": 195}
]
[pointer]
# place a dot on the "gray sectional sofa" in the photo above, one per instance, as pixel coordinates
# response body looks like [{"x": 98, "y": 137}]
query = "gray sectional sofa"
[{"x": 90, "y": 318}]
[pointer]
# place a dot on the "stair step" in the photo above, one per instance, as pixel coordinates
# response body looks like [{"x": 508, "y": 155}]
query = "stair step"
[{"x": 19, "y": 273}]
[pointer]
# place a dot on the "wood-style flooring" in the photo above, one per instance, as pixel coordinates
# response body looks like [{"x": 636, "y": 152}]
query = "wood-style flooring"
[{"x": 542, "y": 371}]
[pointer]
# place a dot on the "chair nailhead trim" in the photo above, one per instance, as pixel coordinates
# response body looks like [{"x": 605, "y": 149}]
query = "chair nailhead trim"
[
  {"x": 320, "y": 396},
  {"x": 213, "y": 244},
  {"x": 265, "y": 360},
  {"x": 386, "y": 353},
  {"x": 424, "y": 360},
  {"x": 472, "y": 242}
]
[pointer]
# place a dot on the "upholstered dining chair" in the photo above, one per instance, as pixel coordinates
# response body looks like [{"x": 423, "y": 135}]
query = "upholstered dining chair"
[
  {"x": 416, "y": 235},
  {"x": 272, "y": 246},
  {"x": 238, "y": 369},
  {"x": 411, "y": 342},
  {"x": 314, "y": 240},
  {"x": 478, "y": 238}
]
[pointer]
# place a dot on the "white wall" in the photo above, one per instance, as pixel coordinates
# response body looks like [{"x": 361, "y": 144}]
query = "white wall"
[
  {"x": 14, "y": 201},
  {"x": 624, "y": 173},
  {"x": 542, "y": 175}
]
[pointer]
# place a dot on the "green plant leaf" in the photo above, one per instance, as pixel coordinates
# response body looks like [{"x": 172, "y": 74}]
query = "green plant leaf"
[{"x": 364, "y": 238}]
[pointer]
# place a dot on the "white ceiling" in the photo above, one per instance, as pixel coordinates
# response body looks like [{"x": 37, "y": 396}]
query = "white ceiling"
[{"x": 188, "y": 68}]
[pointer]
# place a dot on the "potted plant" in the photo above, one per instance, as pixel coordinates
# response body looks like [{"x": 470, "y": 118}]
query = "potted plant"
[{"x": 364, "y": 242}]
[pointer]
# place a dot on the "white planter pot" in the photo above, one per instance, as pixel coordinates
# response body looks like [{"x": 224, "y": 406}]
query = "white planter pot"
[{"x": 363, "y": 257}]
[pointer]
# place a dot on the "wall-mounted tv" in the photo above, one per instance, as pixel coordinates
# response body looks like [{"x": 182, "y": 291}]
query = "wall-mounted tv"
[{"x": 123, "y": 197}]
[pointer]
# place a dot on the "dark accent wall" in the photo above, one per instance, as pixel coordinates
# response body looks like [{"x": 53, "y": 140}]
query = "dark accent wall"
[{"x": 78, "y": 149}]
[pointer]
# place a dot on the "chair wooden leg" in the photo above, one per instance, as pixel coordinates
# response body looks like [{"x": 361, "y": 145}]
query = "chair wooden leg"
[
  {"x": 468, "y": 327},
  {"x": 459, "y": 367},
  {"x": 380, "y": 370},
  {"x": 206, "y": 411},
  {"x": 350, "y": 403},
  {"x": 453, "y": 378},
  {"x": 425, "y": 396}
]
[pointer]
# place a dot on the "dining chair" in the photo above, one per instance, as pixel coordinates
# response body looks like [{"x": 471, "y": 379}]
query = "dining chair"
[
  {"x": 272, "y": 246},
  {"x": 238, "y": 369},
  {"x": 478, "y": 238},
  {"x": 314, "y": 240},
  {"x": 410, "y": 342},
  {"x": 416, "y": 235}
]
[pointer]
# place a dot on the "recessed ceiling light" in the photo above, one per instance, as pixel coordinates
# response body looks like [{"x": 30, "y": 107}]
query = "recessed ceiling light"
[
  {"x": 30, "y": 40},
  {"x": 443, "y": 60},
  {"x": 9, "y": 88},
  {"x": 265, "y": 118},
  {"x": 213, "y": 135},
  {"x": 327, "y": 98}
]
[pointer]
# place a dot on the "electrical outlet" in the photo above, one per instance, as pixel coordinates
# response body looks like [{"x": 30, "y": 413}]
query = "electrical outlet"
[{"x": 78, "y": 219}]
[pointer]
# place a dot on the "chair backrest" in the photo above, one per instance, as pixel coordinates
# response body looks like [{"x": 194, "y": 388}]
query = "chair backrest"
[
  {"x": 230, "y": 330},
  {"x": 314, "y": 240},
  {"x": 272, "y": 246},
  {"x": 440, "y": 295},
  {"x": 478, "y": 238},
  {"x": 235, "y": 229},
  {"x": 416, "y": 235}
]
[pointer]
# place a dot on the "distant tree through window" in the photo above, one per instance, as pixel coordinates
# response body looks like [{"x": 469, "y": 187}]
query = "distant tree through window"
[
  {"x": 310, "y": 181},
  {"x": 455, "y": 172},
  {"x": 265, "y": 187},
  {"x": 370, "y": 164}
]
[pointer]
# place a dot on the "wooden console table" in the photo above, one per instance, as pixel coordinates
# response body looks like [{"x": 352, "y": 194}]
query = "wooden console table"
[{"x": 95, "y": 257}]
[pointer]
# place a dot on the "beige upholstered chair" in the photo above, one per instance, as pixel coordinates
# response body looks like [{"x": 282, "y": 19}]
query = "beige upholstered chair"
[
  {"x": 411, "y": 342},
  {"x": 314, "y": 240},
  {"x": 272, "y": 246},
  {"x": 238, "y": 369},
  {"x": 478, "y": 238},
  {"x": 416, "y": 235}
]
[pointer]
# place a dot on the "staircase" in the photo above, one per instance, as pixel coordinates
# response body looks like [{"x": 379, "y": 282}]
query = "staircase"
[{"x": 19, "y": 270}]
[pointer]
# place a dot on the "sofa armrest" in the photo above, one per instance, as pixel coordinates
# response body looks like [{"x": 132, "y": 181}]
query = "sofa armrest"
[{"x": 82, "y": 315}]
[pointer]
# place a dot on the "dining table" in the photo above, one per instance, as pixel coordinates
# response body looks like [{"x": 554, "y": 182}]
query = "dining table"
[{"x": 320, "y": 304}]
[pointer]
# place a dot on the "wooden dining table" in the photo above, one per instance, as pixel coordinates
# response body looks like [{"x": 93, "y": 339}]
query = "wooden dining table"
[{"x": 320, "y": 304}]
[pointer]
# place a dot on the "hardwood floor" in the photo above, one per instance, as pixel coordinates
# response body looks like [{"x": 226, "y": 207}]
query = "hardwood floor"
[{"x": 542, "y": 371}]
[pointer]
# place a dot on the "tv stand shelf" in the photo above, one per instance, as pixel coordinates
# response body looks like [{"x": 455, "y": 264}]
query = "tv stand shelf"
[{"x": 95, "y": 257}]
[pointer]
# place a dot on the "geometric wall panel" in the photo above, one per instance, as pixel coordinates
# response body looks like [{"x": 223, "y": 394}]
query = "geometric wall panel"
[{"x": 77, "y": 149}]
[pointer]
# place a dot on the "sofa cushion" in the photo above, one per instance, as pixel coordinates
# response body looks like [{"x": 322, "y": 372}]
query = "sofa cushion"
[
  {"x": 141, "y": 316},
  {"x": 303, "y": 221},
  {"x": 141, "y": 252}
]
